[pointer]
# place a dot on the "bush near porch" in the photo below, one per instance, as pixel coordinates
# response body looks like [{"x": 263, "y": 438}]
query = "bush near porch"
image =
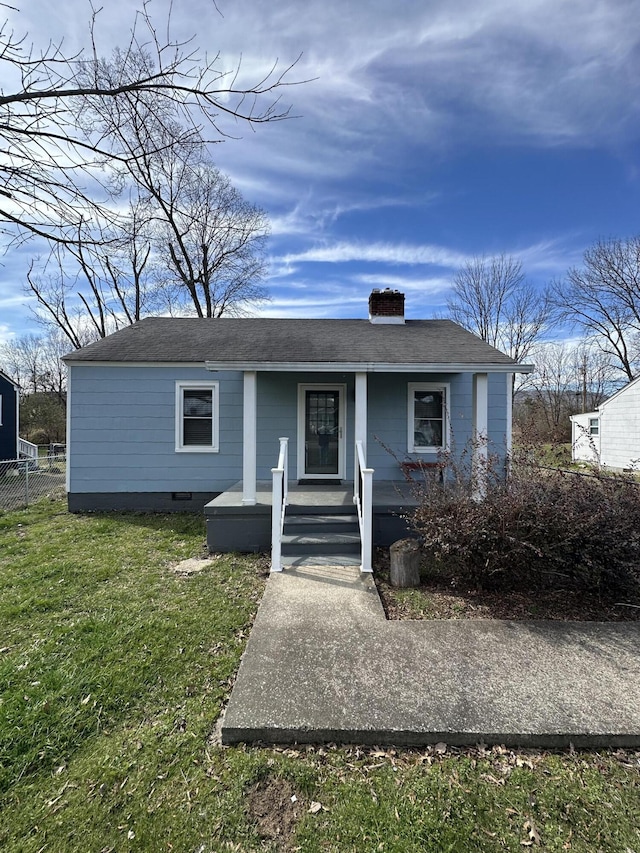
[{"x": 538, "y": 529}]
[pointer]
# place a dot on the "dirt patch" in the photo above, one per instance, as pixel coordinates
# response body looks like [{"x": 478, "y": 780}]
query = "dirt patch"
[
  {"x": 442, "y": 599},
  {"x": 192, "y": 566},
  {"x": 274, "y": 807}
]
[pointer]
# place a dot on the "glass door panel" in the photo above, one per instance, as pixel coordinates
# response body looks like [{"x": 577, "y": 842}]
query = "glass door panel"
[{"x": 322, "y": 431}]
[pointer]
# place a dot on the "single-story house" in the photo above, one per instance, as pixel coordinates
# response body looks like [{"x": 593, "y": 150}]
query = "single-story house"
[
  {"x": 9, "y": 417},
  {"x": 610, "y": 436},
  {"x": 189, "y": 413}
]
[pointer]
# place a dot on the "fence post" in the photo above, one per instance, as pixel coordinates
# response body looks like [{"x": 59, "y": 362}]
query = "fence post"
[{"x": 26, "y": 482}]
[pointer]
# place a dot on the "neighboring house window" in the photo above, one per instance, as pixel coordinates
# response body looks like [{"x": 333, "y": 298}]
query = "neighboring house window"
[
  {"x": 197, "y": 415},
  {"x": 428, "y": 417},
  {"x": 594, "y": 426}
]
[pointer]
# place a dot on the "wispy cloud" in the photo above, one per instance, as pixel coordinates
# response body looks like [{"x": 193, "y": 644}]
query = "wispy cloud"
[
  {"x": 432, "y": 285},
  {"x": 387, "y": 253},
  {"x": 551, "y": 257}
]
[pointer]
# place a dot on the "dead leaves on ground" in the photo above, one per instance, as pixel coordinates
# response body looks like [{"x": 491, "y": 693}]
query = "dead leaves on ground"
[{"x": 533, "y": 836}]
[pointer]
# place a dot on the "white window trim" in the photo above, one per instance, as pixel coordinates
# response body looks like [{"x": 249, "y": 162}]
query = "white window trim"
[
  {"x": 427, "y": 386},
  {"x": 594, "y": 426},
  {"x": 215, "y": 432}
]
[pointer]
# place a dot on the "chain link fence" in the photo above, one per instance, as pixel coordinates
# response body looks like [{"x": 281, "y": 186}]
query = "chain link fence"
[{"x": 23, "y": 481}]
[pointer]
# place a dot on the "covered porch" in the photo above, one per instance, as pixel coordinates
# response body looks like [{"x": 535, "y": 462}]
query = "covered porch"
[{"x": 329, "y": 497}]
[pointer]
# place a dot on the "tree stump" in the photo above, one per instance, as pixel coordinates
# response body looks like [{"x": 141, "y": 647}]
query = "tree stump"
[{"x": 404, "y": 565}]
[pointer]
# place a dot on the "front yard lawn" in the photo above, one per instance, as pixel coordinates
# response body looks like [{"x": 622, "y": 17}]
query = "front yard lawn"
[{"x": 113, "y": 672}]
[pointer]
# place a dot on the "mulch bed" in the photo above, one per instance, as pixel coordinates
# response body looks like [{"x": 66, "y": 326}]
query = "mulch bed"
[{"x": 442, "y": 599}]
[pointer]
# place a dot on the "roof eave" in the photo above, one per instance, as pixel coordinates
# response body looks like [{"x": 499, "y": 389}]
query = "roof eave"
[
  {"x": 316, "y": 367},
  {"x": 369, "y": 367}
]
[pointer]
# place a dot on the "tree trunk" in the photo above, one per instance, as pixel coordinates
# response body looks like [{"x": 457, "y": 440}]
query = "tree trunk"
[{"x": 404, "y": 567}]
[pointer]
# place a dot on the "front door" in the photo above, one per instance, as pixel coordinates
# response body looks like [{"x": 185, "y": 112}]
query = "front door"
[{"x": 321, "y": 432}]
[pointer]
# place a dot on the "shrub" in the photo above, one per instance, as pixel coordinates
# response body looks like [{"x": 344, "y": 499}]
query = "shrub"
[{"x": 539, "y": 528}]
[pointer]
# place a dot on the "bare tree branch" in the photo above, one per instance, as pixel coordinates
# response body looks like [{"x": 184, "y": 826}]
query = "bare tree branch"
[
  {"x": 602, "y": 297},
  {"x": 492, "y": 298},
  {"x": 56, "y": 170}
]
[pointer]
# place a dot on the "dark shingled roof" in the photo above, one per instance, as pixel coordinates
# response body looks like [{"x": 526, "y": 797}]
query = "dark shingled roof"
[{"x": 265, "y": 340}]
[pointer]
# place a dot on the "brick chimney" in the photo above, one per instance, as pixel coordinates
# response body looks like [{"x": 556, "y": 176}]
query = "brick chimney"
[{"x": 386, "y": 306}]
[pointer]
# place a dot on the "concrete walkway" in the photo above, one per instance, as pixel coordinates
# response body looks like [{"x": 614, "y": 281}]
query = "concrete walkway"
[{"x": 324, "y": 664}]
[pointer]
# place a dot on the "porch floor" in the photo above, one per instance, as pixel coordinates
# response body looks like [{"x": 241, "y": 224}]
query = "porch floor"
[{"x": 388, "y": 494}]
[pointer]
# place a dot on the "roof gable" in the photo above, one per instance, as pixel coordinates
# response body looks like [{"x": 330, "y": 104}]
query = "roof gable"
[
  {"x": 8, "y": 379},
  {"x": 619, "y": 392}
]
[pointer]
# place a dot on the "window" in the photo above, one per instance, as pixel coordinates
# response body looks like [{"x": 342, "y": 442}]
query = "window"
[
  {"x": 594, "y": 426},
  {"x": 428, "y": 418},
  {"x": 197, "y": 416}
]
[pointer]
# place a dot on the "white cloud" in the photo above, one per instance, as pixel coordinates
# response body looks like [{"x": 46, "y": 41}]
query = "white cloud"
[
  {"x": 387, "y": 253},
  {"x": 327, "y": 302},
  {"x": 551, "y": 257},
  {"x": 431, "y": 285},
  {"x": 6, "y": 334}
]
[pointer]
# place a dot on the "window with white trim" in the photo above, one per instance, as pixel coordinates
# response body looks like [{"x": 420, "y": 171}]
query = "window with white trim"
[
  {"x": 594, "y": 426},
  {"x": 428, "y": 420},
  {"x": 197, "y": 415}
]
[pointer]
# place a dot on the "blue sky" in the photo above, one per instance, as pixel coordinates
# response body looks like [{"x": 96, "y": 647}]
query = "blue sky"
[{"x": 434, "y": 130}]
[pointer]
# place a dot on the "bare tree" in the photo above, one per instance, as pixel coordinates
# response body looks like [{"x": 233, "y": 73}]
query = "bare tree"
[
  {"x": 594, "y": 376},
  {"x": 602, "y": 297},
  {"x": 492, "y": 298},
  {"x": 190, "y": 243},
  {"x": 97, "y": 284},
  {"x": 55, "y": 167},
  {"x": 211, "y": 242},
  {"x": 551, "y": 394},
  {"x": 35, "y": 362},
  {"x": 568, "y": 379}
]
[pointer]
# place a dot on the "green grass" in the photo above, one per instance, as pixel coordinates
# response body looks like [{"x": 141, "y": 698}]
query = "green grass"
[{"x": 113, "y": 671}]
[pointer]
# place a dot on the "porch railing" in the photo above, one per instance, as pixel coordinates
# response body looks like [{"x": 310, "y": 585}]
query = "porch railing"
[
  {"x": 26, "y": 449},
  {"x": 279, "y": 500},
  {"x": 363, "y": 499}
]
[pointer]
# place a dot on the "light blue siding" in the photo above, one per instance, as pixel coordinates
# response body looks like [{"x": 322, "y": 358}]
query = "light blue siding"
[
  {"x": 123, "y": 432},
  {"x": 122, "y": 436},
  {"x": 498, "y": 416},
  {"x": 388, "y": 415},
  {"x": 278, "y": 416}
]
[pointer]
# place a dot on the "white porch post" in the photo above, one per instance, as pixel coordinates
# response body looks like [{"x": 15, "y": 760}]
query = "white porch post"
[
  {"x": 360, "y": 425},
  {"x": 249, "y": 437},
  {"x": 480, "y": 434}
]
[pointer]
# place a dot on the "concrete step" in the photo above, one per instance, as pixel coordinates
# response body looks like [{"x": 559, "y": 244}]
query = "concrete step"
[
  {"x": 321, "y": 538},
  {"x": 329, "y": 560},
  {"x": 297, "y": 524},
  {"x": 321, "y": 543}
]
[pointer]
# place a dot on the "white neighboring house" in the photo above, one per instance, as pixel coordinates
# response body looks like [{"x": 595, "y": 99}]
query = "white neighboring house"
[{"x": 611, "y": 434}]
